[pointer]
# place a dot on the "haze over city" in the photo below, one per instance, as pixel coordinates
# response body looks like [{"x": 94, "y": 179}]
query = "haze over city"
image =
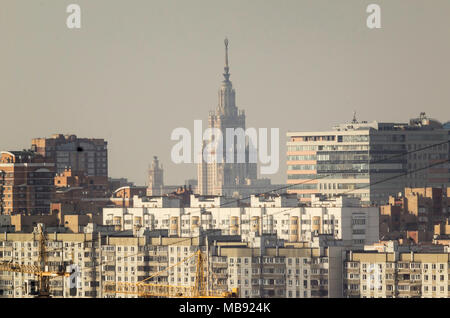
[
  {"x": 203, "y": 149},
  {"x": 136, "y": 70}
]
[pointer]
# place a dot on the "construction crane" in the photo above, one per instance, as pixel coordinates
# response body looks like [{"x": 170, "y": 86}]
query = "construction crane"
[
  {"x": 43, "y": 276},
  {"x": 39, "y": 270},
  {"x": 199, "y": 290},
  {"x": 141, "y": 289}
]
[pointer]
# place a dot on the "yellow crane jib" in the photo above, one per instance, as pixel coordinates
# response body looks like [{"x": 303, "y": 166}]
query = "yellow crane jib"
[{"x": 199, "y": 290}]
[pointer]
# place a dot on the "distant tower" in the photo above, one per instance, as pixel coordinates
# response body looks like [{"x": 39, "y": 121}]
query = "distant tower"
[
  {"x": 354, "y": 120},
  {"x": 155, "y": 178},
  {"x": 213, "y": 177}
]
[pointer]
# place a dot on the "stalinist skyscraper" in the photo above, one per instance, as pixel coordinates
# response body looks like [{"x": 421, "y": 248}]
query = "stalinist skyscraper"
[{"x": 223, "y": 178}]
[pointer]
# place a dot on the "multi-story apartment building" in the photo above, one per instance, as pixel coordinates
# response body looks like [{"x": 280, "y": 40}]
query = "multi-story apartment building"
[
  {"x": 368, "y": 160},
  {"x": 267, "y": 268},
  {"x": 264, "y": 267},
  {"x": 26, "y": 183},
  {"x": 82, "y": 192},
  {"x": 62, "y": 250},
  {"x": 394, "y": 272},
  {"x": 80, "y": 154},
  {"x": 101, "y": 258},
  {"x": 414, "y": 214},
  {"x": 342, "y": 217},
  {"x": 95, "y": 186}
]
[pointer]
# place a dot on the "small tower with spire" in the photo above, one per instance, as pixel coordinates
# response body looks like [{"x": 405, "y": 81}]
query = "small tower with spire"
[{"x": 155, "y": 178}]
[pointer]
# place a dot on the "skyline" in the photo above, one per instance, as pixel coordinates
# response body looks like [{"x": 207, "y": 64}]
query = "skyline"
[
  {"x": 245, "y": 151},
  {"x": 128, "y": 75}
]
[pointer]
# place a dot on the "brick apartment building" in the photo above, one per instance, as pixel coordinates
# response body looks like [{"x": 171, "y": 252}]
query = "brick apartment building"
[
  {"x": 414, "y": 214},
  {"x": 26, "y": 183},
  {"x": 83, "y": 193},
  {"x": 81, "y": 154}
]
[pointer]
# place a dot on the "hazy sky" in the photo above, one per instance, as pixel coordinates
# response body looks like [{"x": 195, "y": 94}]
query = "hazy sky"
[{"x": 138, "y": 69}]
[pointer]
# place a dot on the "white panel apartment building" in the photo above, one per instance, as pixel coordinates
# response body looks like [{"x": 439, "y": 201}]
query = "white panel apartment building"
[
  {"x": 63, "y": 249},
  {"x": 341, "y": 217},
  {"x": 396, "y": 271},
  {"x": 264, "y": 267}
]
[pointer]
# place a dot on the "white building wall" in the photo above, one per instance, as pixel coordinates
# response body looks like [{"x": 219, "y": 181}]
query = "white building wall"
[{"x": 356, "y": 224}]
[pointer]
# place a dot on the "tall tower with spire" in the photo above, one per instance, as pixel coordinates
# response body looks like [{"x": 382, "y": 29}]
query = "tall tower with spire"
[{"x": 213, "y": 178}]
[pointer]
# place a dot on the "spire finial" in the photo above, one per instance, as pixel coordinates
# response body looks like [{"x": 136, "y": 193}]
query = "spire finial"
[
  {"x": 226, "y": 68},
  {"x": 226, "y": 52}
]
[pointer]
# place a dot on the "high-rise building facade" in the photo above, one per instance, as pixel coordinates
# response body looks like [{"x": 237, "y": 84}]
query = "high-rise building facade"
[
  {"x": 368, "y": 160},
  {"x": 414, "y": 214},
  {"x": 394, "y": 272},
  {"x": 266, "y": 268},
  {"x": 80, "y": 154},
  {"x": 107, "y": 262},
  {"x": 342, "y": 218},
  {"x": 26, "y": 183},
  {"x": 215, "y": 176}
]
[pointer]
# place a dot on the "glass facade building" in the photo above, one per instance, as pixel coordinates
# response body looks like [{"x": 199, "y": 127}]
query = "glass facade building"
[{"x": 368, "y": 160}]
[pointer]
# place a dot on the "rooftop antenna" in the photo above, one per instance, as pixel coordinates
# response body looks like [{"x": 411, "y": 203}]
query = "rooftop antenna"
[{"x": 354, "y": 121}]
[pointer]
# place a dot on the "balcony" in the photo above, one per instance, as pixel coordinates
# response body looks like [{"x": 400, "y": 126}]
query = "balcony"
[
  {"x": 352, "y": 292},
  {"x": 320, "y": 293},
  {"x": 319, "y": 287},
  {"x": 220, "y": 265},
  {"x": 403, "y": 270},
  {"x": 409, "y": 293},
  {"x": 352, "y": 270}
]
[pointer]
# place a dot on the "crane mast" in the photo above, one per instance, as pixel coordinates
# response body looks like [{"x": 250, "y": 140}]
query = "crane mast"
[
  {"x": 199, "y": 290},
  {"x": 44, "y": 281}
]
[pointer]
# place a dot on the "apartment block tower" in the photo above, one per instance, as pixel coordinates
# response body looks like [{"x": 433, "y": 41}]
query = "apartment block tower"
[
  {"x": 214, "y": 177},
  {"x": 368, "y": 160},
  {"x": 80, "y": 154},
  {"x": 26, "y": 183},
  {"x": 389, "y": 270}
]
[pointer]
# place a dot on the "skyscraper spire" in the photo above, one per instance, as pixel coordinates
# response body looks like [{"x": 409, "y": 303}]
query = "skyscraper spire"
[{"x": 226, "y": 68}]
